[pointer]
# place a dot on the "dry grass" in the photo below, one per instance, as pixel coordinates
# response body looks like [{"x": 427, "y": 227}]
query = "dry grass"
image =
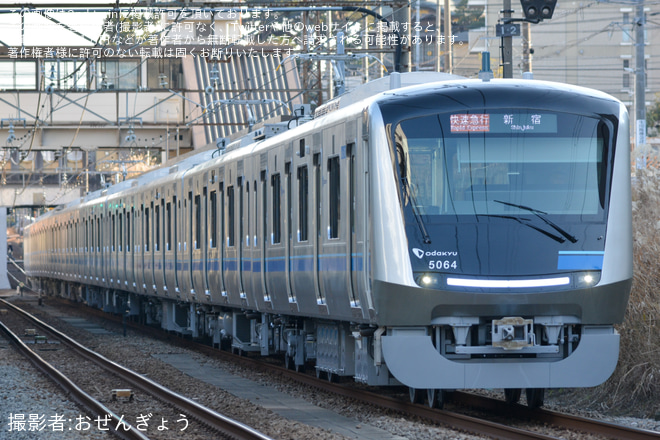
[{"x": 634, "y": 388}]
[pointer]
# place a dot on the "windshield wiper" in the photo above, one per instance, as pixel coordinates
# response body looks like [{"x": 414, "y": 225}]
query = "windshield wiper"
[
  {"x": 541, "y": 214},
  {"x": 525, "y": 221},
  {"x": 418, "y": 217}
]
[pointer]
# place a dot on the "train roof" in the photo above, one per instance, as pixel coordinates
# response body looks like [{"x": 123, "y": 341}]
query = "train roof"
[{"x": 379, "y": 90}]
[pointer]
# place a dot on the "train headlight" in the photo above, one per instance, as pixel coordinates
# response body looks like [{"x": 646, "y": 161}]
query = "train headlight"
[
  {"x": 429, "y": 280},
  {"x": 587, "y": 279}
]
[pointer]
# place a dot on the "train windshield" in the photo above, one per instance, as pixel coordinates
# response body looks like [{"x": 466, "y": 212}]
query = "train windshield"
[{"x": 501, "y": 162}]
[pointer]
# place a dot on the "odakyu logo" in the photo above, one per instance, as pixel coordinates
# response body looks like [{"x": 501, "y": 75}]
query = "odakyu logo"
[{"x": 421, "y": 254}]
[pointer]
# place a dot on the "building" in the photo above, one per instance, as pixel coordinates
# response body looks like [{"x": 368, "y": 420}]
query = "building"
[{"x": 588, "y": 44}]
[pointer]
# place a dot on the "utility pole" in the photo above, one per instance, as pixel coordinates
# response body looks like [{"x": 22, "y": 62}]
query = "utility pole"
[
  {"x": 418, "y": 47},
  {"x": 507, "y": 44},
  {"x": 448, "y": 38},
  {"x": 640, "y": 77},
  {"x": 527, "y": 47},
  {"x": 438, "y": 26}
]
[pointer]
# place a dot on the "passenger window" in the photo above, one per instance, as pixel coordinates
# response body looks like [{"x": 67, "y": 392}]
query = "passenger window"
[
  {"x": 230, "y": 215},
  {"x": 157, "y": 228},
  {"x": 147, "y": 230},
  {"x": 277, "y": 232},
  {"x": 303, "y": 204},
  {"x": 334, "y": 200},
  {"x": 198, "y": 221},
  {"x": 214, "y": 219},
  {"x": 168, "y": 220}
]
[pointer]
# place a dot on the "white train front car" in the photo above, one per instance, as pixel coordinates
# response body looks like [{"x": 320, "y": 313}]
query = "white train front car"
[{"x": 502, "y": 238}]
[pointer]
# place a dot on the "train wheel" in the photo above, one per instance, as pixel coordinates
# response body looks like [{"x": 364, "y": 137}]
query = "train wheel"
[
  {"x": 332, "y": 377},
  {"x": 436, "y": 398},
  {"x": 416, "y": 395},
  {"x": 512, "y": 395},
  {"x": 320, "y": 374},
  {"x": 535, "y": 397}
]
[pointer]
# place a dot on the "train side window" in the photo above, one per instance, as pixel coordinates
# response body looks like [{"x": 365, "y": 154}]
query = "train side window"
[
  {"x": 175, "y": 218},
  {"x": 129, "y": 235},
  {"x": 239, "y": 182},
  {"x": 168, "y": 221},
  {"x": 303, "y": 204},
  {"x": 205, "y": 213},
  {"x": 133, "y": 223},
  {"x": 302, "y": 148},
  {"x": 114, "y": 234},
  {"x": 334, "y": 200},
  {"x": 198, "y": 221},
  {"x": 98, "y": 234},
  {"x": 157, "y": 228},
  {"x": 147, "y": 230},
  {"x": 245, "y": 213},
  {"x": 276, "y": 234},
  {"x": 255, "y": 189},
  {"x": 214, "y": 219},
  {"x": 230, "y": 216},
  {"x": 120, "y": 233}
]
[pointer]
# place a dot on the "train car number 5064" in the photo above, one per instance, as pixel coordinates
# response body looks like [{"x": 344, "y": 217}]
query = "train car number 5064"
[{"x": 443, "y": 264}]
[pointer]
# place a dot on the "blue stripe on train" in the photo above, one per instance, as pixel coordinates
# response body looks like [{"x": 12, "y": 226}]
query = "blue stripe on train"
[
  {"x": 580, "y": 260},
  {"x": 300, "y": 263}
]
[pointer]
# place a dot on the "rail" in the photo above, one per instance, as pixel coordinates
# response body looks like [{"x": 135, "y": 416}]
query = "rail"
[
  {"x": 448, "y": 418},
  {"x": 224, "y": 425}
]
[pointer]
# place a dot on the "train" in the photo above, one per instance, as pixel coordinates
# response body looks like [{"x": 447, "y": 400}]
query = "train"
[{"x": 436, "y": 235}]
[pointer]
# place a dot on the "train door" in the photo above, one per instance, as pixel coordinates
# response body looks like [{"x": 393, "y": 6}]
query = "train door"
[
  {"x": 261, "y": 214},
  {"x": 356, "y": 245},
  {"x": 121, "y": 247},
  {"x": 112, "y": 275},
  {"x": 92, "y": 245},
  {"x": 98, "y": 248},
  {"x": 302, "y": 201},
  {"x": 101, "y": 246},
  {"x": 274, "y": 248},
  {"x": 231, "y": 252},
  {"x": 128, "y": 249},
  {"x": 86, "y": 256},
  {"x": 185, "y": 261},
  {"x": 246, "y": 248},
  {"x": 149, "y": 244},
  {"x": 334, "y": 252},
  {"x": 159, "y": 247},
  {"x": 252, "y": 273},
  {"x": 199, "y": 241},
  {"x": 287, "y": 295},
  {"x": 251, "y": 251},
  {"x": 318, "y": 231},
  {"x": 172, "y": 244},
  {"x": 215, "y": 268},
  {"x": 144, "y": 283},
  {"x": 68, "y": 249},
  {"x": 134, "y": 249},
  {"x": 243, "y": 263}
]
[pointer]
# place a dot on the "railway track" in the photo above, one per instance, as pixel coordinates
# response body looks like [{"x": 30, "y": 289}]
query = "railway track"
[
  {"x": 223, "y": 425},
  {"x": 453, "y": 419}
]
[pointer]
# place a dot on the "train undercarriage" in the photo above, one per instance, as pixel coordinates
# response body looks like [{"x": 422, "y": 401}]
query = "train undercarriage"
[{"x": 337, "y": 349}]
